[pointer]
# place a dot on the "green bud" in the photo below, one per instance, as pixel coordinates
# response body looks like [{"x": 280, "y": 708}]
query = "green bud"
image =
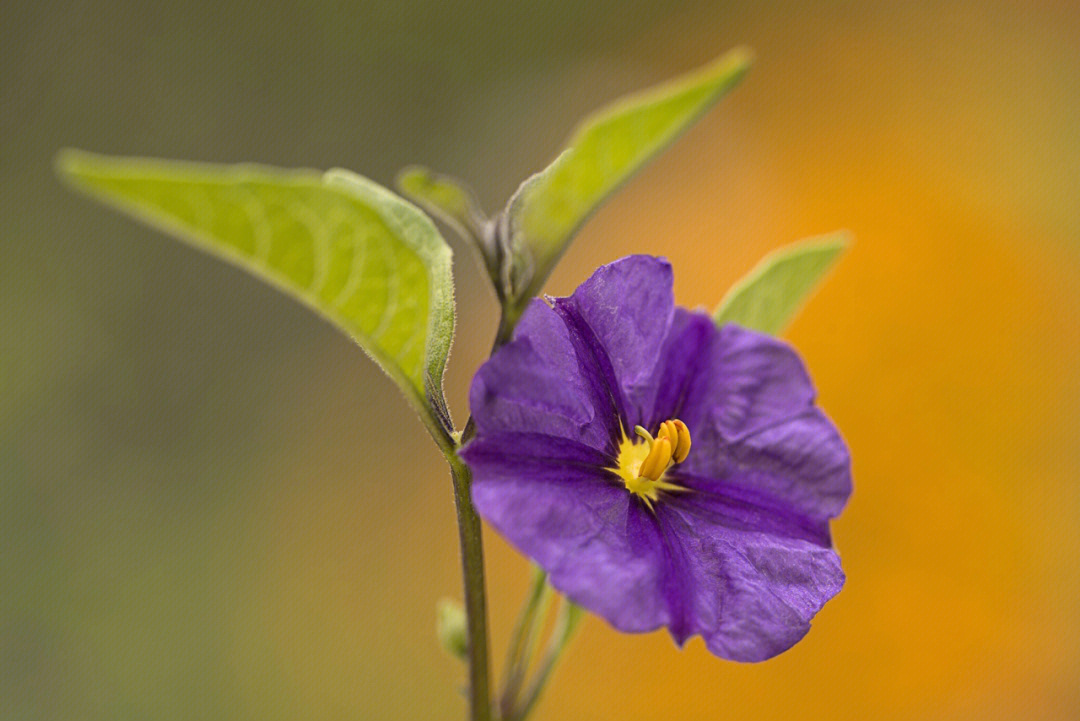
[{"x": 450, "y": 627}]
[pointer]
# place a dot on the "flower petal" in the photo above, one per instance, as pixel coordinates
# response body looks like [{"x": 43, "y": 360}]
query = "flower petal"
[
  {"x": 535, "y": 383},
  {"x": 749, "y": 545},
  {"x": 736, "y": 380},
  {"x": 759, "y": 380},
  {"x": 682, "y": 373},
  {"x": 597, "y": 543},
  {"x": 798, "y": 469},
  {"x": 749, "y": 595},
  {"x": 628, "y": 306}
]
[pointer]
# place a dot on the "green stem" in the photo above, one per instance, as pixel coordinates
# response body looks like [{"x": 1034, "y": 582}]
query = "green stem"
[
  {"x": 569, "y": 615},
  {"x": 523, "y": 641},
  {"x": 472, "y": 567},
  {"x": 472, "y": 553}
]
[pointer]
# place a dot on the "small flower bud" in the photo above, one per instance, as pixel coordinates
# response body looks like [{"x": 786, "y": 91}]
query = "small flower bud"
[{"x": 450, "y": 628}]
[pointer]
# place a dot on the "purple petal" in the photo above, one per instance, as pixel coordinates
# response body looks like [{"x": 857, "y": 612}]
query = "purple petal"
[
  {"x": 682, "y": 373},
  {"x": 799, "y": 469},
  {"x": 598, "y": 545},
  {"x": 750, "y": 553},
  {"x": 627, "y": 305},
  {"x": 535, "y": 383},
  {"x": 749, "y": 595},
  {"x": 733, "y": 380},
  {"x": 759, "y": 380}
]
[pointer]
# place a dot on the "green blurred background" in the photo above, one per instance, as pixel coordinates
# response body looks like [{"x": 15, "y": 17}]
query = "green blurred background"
[{"x": 214, "y": 506}]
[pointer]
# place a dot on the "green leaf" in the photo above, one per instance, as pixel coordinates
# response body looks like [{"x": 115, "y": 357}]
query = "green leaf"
[
  {"x": 447, "y": 198},
  {"x": 603, "y": 153},
  {"x": 365, "y": 259},
  {"x": 773, "y": 292}
]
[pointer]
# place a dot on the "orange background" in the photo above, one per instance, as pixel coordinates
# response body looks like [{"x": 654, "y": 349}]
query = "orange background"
[{"x": 213, "y": 506}]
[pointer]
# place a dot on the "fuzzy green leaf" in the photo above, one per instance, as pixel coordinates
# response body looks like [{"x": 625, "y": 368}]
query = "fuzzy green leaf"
[
  {"x": 607, "y": 148},
  {"x": 773, "y": 292},
  {"x": 447, "y": 198},
  {"x": 365, "y": 259}
]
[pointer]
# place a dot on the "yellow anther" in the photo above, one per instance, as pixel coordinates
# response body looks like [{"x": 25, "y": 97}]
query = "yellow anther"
[
  {"x": 678, "y": 435},
  {"x": 657, "y": 461},
  {"x": 682, "y": 450},
  {"x": 667, "y": 430},
  {"x": 642, "y": 463}
]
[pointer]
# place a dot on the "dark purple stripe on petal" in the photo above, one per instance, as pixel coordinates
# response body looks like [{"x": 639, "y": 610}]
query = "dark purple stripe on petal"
[
  {"x": 596, "y": 370},
  {"x": 680, "y": 582},
  {"x": 538, "y": 456},
  {"x": 743, "y": 508},
  {"x": 682, "y": 374},
  {"x": 801, "y": 463}
]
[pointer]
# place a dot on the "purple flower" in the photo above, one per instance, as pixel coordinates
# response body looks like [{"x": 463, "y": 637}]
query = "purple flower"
[{"x": 663, "y": 471}]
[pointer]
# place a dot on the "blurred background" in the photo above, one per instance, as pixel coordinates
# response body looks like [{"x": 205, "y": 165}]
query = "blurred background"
[{"x": 200, "y": 516}]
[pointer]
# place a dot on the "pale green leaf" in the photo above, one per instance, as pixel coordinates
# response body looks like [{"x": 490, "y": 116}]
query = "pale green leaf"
[
  {"x": 603, "y": 153},
  {"x": 365, "y": 259},
  {"x": 773, "y": 292},
  {"x": 445, "y": 197}
]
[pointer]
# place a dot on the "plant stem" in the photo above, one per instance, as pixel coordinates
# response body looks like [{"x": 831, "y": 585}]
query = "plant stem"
[
  {"x": 569, "y": 615},
  {"x": 472, "y": 554},
  {"x": 472, "y": 567},
  {"x": 523, "y": 641}
]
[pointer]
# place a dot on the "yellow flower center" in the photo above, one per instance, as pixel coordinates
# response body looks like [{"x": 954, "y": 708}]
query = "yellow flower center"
[{"x": 641, "y": 463}]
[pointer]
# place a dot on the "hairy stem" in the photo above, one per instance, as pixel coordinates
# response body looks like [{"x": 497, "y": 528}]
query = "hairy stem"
[
  {"x": 472, "y": 554},
  {"x": 472, "y": 567}
]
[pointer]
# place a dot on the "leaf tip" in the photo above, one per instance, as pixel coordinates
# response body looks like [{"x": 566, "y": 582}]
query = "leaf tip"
[
  {"x": 412, "y": 177},
  {"x": 729, "y": 69},
  {"x": 71, "y": 163},
  {"x": 773, "y": 292},
  {"x": 831, "y": 244},
  {"x": 742, "y": 56}
]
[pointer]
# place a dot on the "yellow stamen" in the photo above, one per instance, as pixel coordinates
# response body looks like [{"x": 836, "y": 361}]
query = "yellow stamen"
[
  {"x": 669, "y": 431},
  {"x": 657, "y": 461},
  {"x": 641, "y": 464},
  {"x": 679, "y": 435},
  {"x": 684, "y": 441}
]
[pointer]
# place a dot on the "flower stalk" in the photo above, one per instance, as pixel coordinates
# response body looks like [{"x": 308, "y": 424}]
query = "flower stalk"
[
  {"x": 565, "y": 625},
  {"x": 472, "y": 554},
  {"x": 523, "y": 641},
  {"x": 472, "y": 567}
]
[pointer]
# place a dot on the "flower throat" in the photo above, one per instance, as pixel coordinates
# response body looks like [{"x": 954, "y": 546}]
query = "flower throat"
[{"x": 642, "y": 462}]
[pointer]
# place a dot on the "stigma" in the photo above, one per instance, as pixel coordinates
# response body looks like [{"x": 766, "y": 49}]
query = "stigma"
[{"x": 642, "y": 462}]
